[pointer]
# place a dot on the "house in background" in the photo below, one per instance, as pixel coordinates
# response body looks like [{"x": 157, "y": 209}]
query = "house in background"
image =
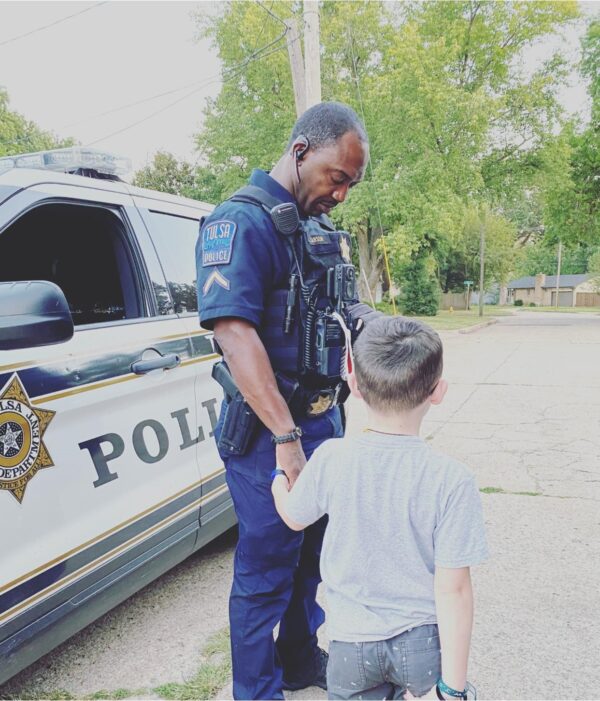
[{"x": 574, "y": 291}]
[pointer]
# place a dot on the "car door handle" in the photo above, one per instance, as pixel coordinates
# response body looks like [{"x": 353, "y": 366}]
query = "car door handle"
[{"x": 161, "y": 362}]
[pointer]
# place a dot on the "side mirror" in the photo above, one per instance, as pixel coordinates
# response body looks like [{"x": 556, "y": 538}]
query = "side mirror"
[{"x": 33, "y": 313}]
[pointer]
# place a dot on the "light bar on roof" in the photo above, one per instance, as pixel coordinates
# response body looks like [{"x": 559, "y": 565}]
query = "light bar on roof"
[{"x": 67, "y": 160}]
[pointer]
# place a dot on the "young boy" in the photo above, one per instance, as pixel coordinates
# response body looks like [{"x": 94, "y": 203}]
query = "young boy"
[{"x": 405, "y": 525}]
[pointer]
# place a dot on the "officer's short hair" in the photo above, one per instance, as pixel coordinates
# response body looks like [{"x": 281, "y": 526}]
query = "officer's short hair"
[
  {"x": 398, "y": 362},
  {"x": 323, "y": 124}
]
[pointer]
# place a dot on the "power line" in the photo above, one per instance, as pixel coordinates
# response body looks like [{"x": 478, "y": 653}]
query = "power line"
[
  {"x": 270, "y": 12},
  {"x": 52, "y": 24},
  {"x": 141, "y": 101},
  {"x": 157, "y": 95},
  {"x": 255, "y": 55},
  {"x": 145, "y": 119},
  {"x": 112, "y": 111},
  {"x": 234, "y": 70}
]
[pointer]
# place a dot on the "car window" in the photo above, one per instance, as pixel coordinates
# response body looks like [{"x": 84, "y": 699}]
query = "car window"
[
  {"x": 175, "y": 240},
  {"x": 82, "y": 249}
]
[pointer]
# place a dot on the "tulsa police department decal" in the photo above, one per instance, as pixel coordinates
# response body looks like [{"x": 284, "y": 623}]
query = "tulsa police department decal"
[
  {"x": 217, "y": 242},
  {"x": 22, "y": 427}
]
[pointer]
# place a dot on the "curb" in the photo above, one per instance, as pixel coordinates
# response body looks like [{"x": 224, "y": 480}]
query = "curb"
[{"x": 472, "y": 329}]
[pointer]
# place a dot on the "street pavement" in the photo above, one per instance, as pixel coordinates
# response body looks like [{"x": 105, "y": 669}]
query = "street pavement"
[{"x": 523, "y": 411}]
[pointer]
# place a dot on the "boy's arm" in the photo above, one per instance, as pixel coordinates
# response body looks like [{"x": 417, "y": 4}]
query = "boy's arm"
[
  {"x": 454, "y": 609},
  {"x": 280, "y": 489},
  {"x": 304, "y": 502}
]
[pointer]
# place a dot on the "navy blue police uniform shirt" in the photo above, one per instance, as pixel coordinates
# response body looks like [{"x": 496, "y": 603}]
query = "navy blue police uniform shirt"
[{"x": 240, "y": 258}]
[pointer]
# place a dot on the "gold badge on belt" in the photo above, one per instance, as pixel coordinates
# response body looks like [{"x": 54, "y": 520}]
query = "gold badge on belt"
[{"x": 321, "y": 404}]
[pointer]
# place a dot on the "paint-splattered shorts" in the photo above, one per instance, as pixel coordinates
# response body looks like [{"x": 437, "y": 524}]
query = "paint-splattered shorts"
[{"x": 385, "y": 669}]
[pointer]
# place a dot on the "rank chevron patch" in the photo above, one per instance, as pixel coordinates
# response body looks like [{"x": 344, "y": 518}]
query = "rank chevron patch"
[
  {"x": 217, "y": 277},
  {"x": 22, "y": 428}
]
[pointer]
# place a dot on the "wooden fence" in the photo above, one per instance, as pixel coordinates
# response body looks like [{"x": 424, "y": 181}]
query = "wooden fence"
[
  {"x": 456, "y": 300},
  {"x": 587, "y": 299}
]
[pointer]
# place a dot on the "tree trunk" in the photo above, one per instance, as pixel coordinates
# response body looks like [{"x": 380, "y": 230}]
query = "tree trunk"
[{"x": 370, "y": 262}]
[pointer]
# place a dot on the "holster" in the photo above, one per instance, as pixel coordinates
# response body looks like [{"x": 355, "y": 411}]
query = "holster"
[
  {"x": 240, "y": 422},
  {"x": 238, "y": 428}
]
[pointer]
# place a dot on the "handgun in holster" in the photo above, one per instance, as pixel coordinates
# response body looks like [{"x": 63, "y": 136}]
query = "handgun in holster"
[{"x": 240, "y": 421}]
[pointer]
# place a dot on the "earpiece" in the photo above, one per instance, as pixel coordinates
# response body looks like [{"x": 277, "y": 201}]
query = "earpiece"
[{"x": 305, "y": 145}]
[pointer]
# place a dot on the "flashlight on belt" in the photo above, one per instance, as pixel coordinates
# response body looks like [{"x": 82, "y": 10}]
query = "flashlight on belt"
[{"x": 291, "y": 304}]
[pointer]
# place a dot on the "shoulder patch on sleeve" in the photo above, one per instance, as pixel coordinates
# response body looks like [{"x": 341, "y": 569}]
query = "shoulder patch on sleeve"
[{"x": 217, "y": 242}]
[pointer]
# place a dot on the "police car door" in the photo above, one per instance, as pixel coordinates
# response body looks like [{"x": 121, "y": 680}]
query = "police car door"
[
  {"x": 110, "y": 479},
  {"x": 173, "y": 228}
]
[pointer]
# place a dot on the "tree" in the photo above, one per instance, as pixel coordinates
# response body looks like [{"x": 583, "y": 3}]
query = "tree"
[
  {"x": 420, "y": 289},
  {"x": 572, "y": 193},
  {"x": 543, "y": 258},
  {"x": 19, "y": 135},
  {"x": 594, "y": 269},
  {"x": 453, "y": 123},
  {"x": 167, "y": 174}
]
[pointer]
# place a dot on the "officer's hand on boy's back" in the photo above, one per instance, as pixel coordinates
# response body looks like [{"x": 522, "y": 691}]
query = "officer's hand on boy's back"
[{"x": 291, "y": 459}]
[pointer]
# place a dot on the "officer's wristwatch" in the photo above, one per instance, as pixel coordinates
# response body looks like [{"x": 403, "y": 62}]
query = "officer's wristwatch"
[{"x": 290, "y": 437}]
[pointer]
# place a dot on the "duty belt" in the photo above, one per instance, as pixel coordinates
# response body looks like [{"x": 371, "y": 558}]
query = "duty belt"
[
  {"x": 317, "y": 402},
  {"x": 305, "y": 401}
]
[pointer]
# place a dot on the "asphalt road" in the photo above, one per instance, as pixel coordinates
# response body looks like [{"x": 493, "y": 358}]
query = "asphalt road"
[{"x": 523, "y": 411}]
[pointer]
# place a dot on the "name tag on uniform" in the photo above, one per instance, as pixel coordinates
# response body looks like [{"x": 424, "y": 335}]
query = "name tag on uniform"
[{"x": 217, "y": 242}]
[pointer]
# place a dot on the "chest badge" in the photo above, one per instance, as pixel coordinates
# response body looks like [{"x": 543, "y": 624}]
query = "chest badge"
[
  {"x": 345, "y": 248},
  {"x": 22, "y": 427}
]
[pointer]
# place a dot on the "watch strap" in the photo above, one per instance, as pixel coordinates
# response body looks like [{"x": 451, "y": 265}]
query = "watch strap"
[{"x": 290, "y": 437}]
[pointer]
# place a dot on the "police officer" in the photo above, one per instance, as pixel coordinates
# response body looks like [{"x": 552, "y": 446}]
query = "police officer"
[{"x": 273, "y": 290}]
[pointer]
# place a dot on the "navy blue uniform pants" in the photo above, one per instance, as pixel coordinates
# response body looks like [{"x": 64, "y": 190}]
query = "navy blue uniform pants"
[{"x": 276, "y": 573}]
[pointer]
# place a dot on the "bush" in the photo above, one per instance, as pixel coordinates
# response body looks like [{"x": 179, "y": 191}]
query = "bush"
[
  {"x": 518, "y": 302},
  {"x": 532, "y": 304},
  {"x": 420, "y": 294}
]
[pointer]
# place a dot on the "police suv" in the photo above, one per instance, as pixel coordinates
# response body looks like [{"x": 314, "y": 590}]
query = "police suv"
[{"x": 108, "y": 472}]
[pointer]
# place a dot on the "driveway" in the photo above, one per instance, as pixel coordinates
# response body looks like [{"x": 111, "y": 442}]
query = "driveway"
[{"x": 523, "y": 411}]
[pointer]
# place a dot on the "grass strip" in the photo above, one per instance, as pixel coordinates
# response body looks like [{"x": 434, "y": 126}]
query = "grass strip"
[
  {"x": 116, "y": 694},
  {"x": 445, "y": 320},
  {"x": 567, "y": 310},
  {"x": 499, "y": 490},
  {"x": 211, "y": 677}
]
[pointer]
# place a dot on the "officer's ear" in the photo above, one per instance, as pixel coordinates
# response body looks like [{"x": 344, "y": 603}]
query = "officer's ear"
[
  {"x": 353, "y": 384},
  {"x": 300, "y": 147}
]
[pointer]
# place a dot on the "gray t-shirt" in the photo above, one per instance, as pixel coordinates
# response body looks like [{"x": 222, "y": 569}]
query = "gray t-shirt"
[{"x": 396, "y": 509}]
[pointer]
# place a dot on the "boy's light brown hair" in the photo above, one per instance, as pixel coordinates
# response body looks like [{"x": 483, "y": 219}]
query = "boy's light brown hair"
[{"x": 398, "y": 362}]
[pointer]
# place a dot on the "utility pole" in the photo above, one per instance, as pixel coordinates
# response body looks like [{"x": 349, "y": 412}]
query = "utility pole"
[
  {"x": 558, "y": 274},
  {"x": 312, "y": 52},
  {"x": 481, "y": 266},
  {"x": 296, "y": 64}
]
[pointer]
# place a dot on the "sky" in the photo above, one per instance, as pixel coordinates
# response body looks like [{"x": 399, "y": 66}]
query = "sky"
[
  {"x": 66, "y": 77},
  {"x": 116, "y": 53}
]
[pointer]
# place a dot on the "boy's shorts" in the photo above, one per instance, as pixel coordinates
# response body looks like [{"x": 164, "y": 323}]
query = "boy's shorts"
[{"x": 385, "y": 669}]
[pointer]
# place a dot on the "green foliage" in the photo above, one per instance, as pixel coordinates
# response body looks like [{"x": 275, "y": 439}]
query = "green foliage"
[
  {"x": 458, "y": 128},
  {"x": 518, "y": 302},
  {"x": 166, "y": 174},
  {"x": 590, "y": 67},
  {"x": 420, "y": 289},
  {"x": 499, "y": 490},
  {"x": 543, "y": 258},
  {"x": 19, "y": 135},
  {"x": 594, "y": 269},
  {"x": 572, "y": 199}
]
